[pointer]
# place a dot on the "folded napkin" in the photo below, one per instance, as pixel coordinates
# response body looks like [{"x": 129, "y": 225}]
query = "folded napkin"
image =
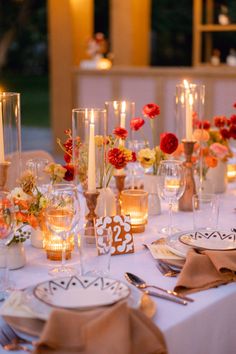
[
  {"x": 206, "y": 269},
  {"x": 117, "y": 330}
]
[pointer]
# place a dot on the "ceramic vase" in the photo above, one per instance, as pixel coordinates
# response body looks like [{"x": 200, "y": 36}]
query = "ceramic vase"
[
  {"x": 15, "y": 256},
  {"x": 37, "y": 237},
  {"x": 150, "y": 185},
  {"x": 106, "y": 203},
  {"x": 217, "y": 177}
]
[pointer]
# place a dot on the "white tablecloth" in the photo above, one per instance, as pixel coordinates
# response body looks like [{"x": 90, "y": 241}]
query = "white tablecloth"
[{"x": 205, "y": 326}]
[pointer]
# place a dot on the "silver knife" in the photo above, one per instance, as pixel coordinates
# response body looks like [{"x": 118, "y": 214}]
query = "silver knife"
[{"x": 166, "y": 297}]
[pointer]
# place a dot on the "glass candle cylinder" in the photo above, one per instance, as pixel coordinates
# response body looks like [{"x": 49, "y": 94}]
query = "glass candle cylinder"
[
  {"x": 10, "y": 136},
  {"x": 89, "y": 132},
  {"x": 119, "y": 114},
  {"x": 134, "y": 202},
  {"x": 190, "y": 99}
]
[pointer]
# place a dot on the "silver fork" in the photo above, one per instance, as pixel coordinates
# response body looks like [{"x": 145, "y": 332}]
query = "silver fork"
[
  {"x": 11, "y": 341},
  {"x": 166, "y": 270}
]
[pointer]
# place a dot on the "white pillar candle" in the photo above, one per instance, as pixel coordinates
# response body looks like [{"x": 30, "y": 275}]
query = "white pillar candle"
[
  {"x": 2, "y": 157},
  {"x": 91, "y": 156},
  {"x": 189, "y": 111}
]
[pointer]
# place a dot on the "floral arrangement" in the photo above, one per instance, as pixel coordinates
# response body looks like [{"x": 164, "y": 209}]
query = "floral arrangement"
[
  {"x": 117, "y": 156},
  {"x": 213, "y": 139},
  {"x": 150, "y": 158},
  {"x": 29, "y": 203}
]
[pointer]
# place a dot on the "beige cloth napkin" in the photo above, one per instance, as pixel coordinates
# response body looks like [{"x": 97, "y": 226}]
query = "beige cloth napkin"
[
  {"x": 112, "y": 330},
  {"x": 206, "y": 269}
]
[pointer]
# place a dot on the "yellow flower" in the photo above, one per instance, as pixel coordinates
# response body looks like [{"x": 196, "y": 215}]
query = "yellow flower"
[
  {"x": 146, "y": 157},
  {"x": 99, "y": 140},
  {"x": 56, "y": 172},
  {"x": 127, "y": 153}
]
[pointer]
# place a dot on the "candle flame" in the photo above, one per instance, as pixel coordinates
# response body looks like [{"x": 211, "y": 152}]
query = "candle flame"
[
  {"x": 115, "y": 105},
  {"x": 92, "y": 117},
  {"x": 123, "y": 106},
  {"x": 186, "y": 84}
]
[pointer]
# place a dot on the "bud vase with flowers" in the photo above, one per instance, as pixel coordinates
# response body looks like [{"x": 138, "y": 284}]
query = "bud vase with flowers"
[
  {"x": 149, "y": 158},
  {"x": 117, "y": 156},
  {"x": 214, "y": 150}
]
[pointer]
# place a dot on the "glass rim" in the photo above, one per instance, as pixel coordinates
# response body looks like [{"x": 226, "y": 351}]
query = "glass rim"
[
  {"x": 9, "y": 94},
  {"x": 191, "y": 85},
  {"x": 86, "y": 109},
  {"x": 119, "y": 101},
  {"x": 134, "y": 192},
  {"x": 179, "y": 162},
  {"x": 205, "y": 195}
]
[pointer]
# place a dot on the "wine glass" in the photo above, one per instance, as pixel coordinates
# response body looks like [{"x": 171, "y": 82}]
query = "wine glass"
[
  {"x": 7, "y": 224},
  {"x": 62, "y": 215},
  {"x": 171, "y": 186}
]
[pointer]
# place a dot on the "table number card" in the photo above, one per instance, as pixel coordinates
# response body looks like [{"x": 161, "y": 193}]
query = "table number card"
[{"x": 122, "y": 238}]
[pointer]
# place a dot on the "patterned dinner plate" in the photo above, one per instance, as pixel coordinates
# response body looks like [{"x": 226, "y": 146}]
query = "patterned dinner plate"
[
  {"x": 81, "y": 292},
  {"x": 218, "y": 240}
]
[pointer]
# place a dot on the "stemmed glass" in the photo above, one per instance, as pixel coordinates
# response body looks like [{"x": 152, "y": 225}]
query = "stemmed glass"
[
  {"x": 62, "y": 215},
  {"x": 171, "y": 186},
  {"x": 7, "y": 224}
]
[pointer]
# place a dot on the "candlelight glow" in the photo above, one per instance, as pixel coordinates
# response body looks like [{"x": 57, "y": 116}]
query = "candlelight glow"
[
  {"x": 186, "y": 83},
  {"x": 123, "y": 107},
  {"x": 92, "y": 117}
]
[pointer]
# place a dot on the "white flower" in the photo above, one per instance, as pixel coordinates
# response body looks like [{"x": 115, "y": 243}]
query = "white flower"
[{"x": 18, "y": 193}]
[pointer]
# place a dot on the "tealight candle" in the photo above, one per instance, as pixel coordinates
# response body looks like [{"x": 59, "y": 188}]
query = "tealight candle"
[
  {"x": 231, "y": 172},
  {"x": 53, "y": 245},
  {"x": 134, "y": 202}
]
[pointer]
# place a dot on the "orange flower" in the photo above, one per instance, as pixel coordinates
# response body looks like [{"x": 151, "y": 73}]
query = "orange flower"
[
  {"x": 23, "y": 204},
  {"x": 21, "y": 217},
  {"x": 211, "y": 161},
  {"x": 33, "y": 221}
]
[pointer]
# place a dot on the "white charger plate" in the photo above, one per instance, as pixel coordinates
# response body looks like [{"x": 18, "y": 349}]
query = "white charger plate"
[
  {"x": 81, "y": 292},
  {"x": 218, "y": 240},
  {"x": 175, "y": 246}
]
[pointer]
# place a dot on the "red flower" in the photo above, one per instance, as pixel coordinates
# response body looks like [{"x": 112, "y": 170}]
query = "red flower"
[
  {"x": 234, "y": 105},
  {"x": 136, "y": 123},
  {"x": 134, "y": 158},
  {"x": 225, "y": 133},
  {"x": 70, "y": 172},
  {"x": 120, "y": 133},
  {"x": 117, "y": 158},
  {"x": 168, "y": 143},
  {"x": 204, "y": 124},
  {"x": 232, "y": 131},
  {"x": 220, "y": 121},
  {"x": 233, "y": 119},
  {"x": 151, "y": 110},
  {"x": 67, "y": 158}
]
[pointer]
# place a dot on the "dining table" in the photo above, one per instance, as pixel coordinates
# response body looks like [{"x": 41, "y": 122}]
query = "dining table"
[{"x": 206, "y": 325}]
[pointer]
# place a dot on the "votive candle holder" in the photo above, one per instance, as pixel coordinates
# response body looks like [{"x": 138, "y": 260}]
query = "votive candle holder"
[{"x": 134, "y": 202}]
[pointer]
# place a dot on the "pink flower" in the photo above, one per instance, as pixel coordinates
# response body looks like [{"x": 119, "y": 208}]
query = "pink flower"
[
  {"x": 221, "y": 151},
  {"x": 151, "y": 110}
]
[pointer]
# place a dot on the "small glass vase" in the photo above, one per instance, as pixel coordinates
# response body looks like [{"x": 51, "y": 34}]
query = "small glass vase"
[{"x": 150, "y": 186}]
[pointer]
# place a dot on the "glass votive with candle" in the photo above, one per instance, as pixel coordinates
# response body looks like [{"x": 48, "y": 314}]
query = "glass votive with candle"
[
  {"x": 134, "y": 202},
  {"x": 231, "y": 172},
  {"x": 53, "y": 246}
]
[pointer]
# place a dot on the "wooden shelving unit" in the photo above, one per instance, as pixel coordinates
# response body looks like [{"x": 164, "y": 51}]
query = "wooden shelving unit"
[{"x": 200, "y": 29}]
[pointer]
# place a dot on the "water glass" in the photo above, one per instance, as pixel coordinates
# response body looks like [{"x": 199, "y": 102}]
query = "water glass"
[
  {"x": 95, "y": 251},
  {"x": 205, "y": 211}
]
